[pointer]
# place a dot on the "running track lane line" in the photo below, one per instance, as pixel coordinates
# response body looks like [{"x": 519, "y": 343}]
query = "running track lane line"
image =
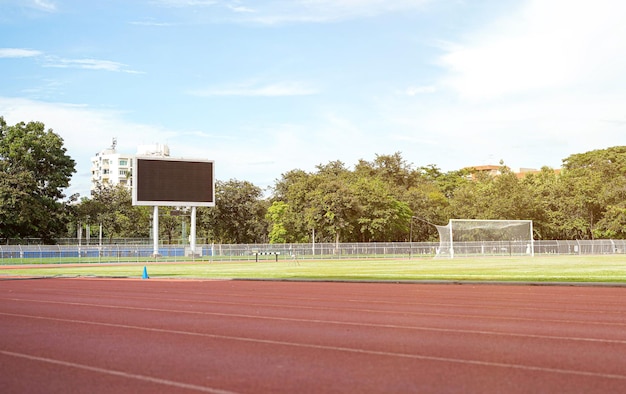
[
  {"x": 117, "y": 373},
  {"x": 342, "y": 323},
  {"x": 383, "y": 302},
  {"x": 326, "y": 347},
  {"x": 316, "y": 308}
]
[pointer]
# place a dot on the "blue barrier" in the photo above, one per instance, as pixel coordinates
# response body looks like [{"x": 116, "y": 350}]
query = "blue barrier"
[{"x": 99, "y": 253}]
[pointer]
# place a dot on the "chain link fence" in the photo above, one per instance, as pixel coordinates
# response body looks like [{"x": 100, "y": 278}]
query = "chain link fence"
[{"x": 143, "y": 251}]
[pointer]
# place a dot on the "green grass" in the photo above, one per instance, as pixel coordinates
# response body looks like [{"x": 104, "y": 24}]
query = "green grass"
[{"x": 609, "y": 269}]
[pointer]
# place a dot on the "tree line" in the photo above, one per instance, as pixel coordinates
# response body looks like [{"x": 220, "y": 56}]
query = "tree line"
[{"x": 385, "y": 199}]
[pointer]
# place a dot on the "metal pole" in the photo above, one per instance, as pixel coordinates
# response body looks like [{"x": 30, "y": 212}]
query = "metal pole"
[
  {"x": 411, "y": 238},
  {"x": 532, "y": 240},
  {"x": 451, "y": 241},
  {"x": 155, "y": 231},
  {"x": 192, "y": 236}
]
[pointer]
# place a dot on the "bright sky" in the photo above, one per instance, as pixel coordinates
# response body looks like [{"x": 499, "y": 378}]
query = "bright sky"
[{"x": 266, "y": 86}]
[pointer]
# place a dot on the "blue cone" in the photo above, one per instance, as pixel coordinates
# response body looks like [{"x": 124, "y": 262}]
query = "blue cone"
[{"x": 145, "y": 273}]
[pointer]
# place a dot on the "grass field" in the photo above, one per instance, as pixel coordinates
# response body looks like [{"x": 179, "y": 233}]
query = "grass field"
[{"x": 607, "y": 269}]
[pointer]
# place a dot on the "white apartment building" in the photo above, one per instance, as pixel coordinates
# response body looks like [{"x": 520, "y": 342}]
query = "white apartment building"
[{"x": 109, "y": 167}]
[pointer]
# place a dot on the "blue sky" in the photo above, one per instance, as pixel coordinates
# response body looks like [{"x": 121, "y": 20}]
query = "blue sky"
[{"x": 266, "y": 86}]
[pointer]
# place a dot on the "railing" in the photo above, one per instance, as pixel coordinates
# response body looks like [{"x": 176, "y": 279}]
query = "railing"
[{"x": 143, "y": 252}]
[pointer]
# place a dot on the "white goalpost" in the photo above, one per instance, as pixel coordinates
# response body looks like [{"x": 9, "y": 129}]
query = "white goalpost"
[{"x": 471, "y": 237}]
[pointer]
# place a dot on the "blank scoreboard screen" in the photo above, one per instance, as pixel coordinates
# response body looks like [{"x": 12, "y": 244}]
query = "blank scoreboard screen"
[{"x": 173, "y": 182}]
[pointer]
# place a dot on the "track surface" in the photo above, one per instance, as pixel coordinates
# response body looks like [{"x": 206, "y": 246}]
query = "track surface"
[{"x": 147, "y": 336}]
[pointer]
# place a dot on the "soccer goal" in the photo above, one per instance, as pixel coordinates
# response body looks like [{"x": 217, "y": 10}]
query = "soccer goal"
[{"x": 471, "y": 237}]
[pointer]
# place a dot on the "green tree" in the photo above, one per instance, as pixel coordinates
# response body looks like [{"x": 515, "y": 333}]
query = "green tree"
[
  {"x": 382, "y": 217},
  {"x": 372, "y": 203},
  {"x": 613, "y": 224},
  {"x": 510, "y": 197},
  {"x": 276, "y": 216},
  {"x": 111, "y": 206},
  {"x": 238, "y": 215},
  {"x": 35, "y": 169},
  {"x": 590, "y": 184},
  {"x": 296, "y": 217},
  {"x": 544, "y": 191},
  {"x": 471, "y": 199},
  {"x": 391, "y": 169},
  {"x": 334, "y": 210},
  {"x": 449, "y": 182},
  {"x": 429, "y": 206},
  {"x": 503, "y": 196},
  {"x": 322, "y": 202}
]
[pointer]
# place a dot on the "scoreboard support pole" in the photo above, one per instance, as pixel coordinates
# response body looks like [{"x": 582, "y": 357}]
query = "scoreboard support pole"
[
  {"x": 192, "y": 235},
  {"x": 155, "y": 231}
]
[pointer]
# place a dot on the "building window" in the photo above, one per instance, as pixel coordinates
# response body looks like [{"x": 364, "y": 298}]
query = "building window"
[
  {"x": 123, "y": 162},
  {"x": 123, "y": 172}
]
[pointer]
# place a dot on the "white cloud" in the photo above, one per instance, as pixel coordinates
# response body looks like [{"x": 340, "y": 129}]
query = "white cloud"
[
  {"x": 240, "y": 6},
  {"x": 545, "y": 44},
  {"x": 241, "y": 9},
  {"x": 260, "y": 157},
  {"x": 277, "y": 89},
  {"x": 340, "y": 9},
  {"x": 186, "y": 3},
  {"x": 372, "y": 6},
  {"x": 18, "y": 53},
  {"x": 533, "y": 88},
  {"x": 44, "y": 5},
  {"x": 301, "y": 11},
  {"x": 85, "y": 131},
  {"x": 150, "y": 22},
  {"x": 88, "y": 64},
  {"x": 57, "y": 62},
  {"x": 529, "y": 132},
  {"x": 415, "y": 90}
]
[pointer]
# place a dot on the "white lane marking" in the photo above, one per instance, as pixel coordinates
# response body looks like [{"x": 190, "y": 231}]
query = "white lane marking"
[
  {"x": 376, "y": 311},
  {"x": 340, "y": 348},
  {"x": 116, "y": 373},
  {"x": 336, "y": 322}
]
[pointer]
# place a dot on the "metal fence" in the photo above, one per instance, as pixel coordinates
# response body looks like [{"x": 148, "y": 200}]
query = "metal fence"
[{"x": 143, "y": 252}]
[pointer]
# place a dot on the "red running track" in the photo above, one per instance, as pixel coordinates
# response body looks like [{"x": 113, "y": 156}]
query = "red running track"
[{"x": 147, "y": 336}]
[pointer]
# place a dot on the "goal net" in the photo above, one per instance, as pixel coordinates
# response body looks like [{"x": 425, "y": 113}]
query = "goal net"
[{"x": 471, "y": 237}]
